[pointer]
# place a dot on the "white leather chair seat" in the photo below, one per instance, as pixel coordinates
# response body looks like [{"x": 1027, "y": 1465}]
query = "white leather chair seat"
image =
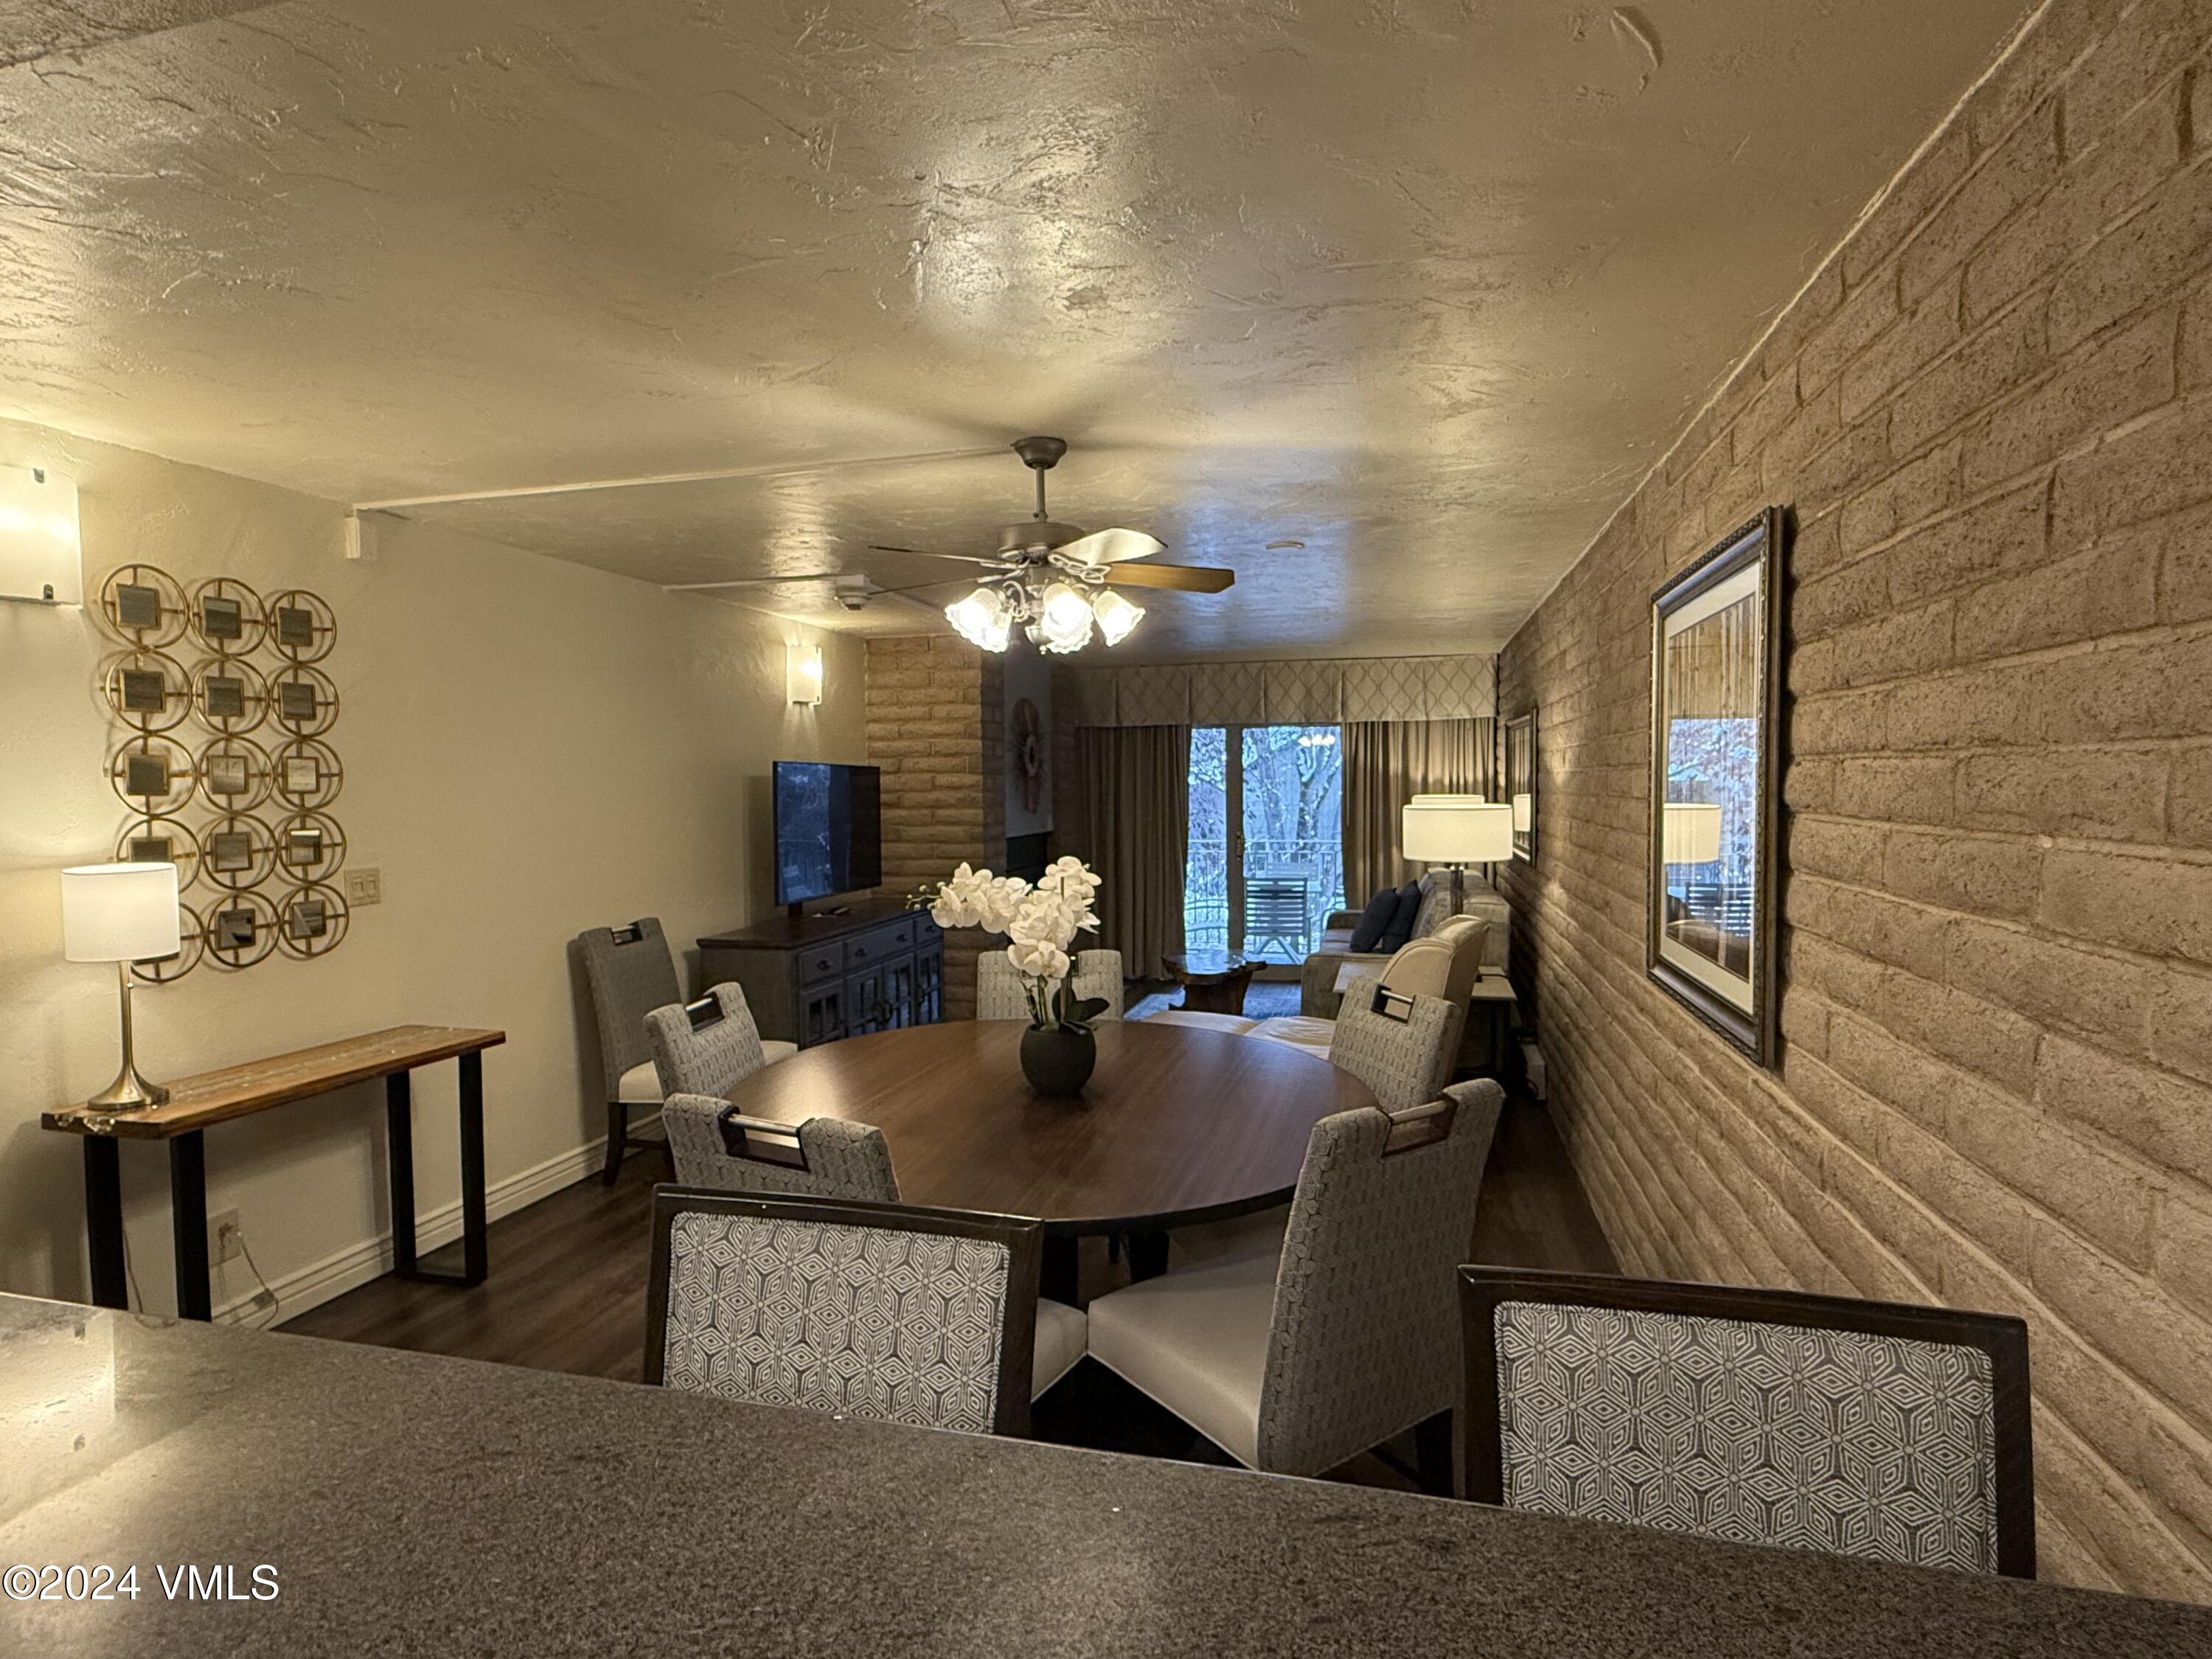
[
  {"x": 1197, "y": 1342},
  {"x": 775, "y": 1048},
  {"x": 1235, "y": 1025},
  {"x": 640, "y": 1085},
  {"x": 1063, "y": 1336},
  {"x": 1299, "y": 1030}
]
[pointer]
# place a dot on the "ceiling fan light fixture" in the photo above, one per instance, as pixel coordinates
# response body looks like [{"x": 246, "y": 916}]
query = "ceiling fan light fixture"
[
  {"x": 1117, "y": 617},
  {"x": 981, "y": 618},
  {"x": 1063, "y": 615}
]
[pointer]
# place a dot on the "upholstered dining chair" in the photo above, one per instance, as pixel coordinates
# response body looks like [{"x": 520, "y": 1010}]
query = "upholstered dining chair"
[
  {"x": 1294, "y": 1360},
  {"x": 998, "y": 988},
  {"x": 717, "y": 1148},
  {"x": 631, "y": 973},
  {"x": 1757, "y": 1416},
  {"x": 885, "y": 1311},
  {"x": 1401, "y": 1047},
  {"x": 708, "y": 1046}
]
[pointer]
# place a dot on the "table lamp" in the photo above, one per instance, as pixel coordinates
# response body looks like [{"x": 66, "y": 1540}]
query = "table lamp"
[
  {"x": 121, "y": 912},
  {"x": 1455, "y": 831},
  {"x": 1690, "y": 832}
]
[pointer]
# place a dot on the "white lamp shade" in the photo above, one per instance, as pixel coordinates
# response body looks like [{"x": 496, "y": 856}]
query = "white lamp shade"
[
  {"x": 1446, "y": 801},
  {"x": 119, "y": 912},
  {"x": 1459, "y": 832},
  {"x": 1524, "y": 813},
  {"x": 1690, "y": 832}
]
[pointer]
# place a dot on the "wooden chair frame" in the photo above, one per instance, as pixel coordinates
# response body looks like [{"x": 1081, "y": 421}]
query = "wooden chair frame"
[
  {"x": 1022, "y": 1237},
  {"x": 2000, "y": 1336}
]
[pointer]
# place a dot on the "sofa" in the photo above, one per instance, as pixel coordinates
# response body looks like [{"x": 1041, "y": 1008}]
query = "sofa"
[{"x": 1317, "y": 993}]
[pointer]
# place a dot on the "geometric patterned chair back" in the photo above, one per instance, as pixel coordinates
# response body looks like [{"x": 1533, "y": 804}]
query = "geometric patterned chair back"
[
  {"x": 999, "y": 993},
  {"x": 1404, "y": 1052},
  {"x": 1755, "y": 1416},
  {"x": 716, "y": 1148},
  {"x": 882, "y": 1311},
  {"x": 631, "y": 973},
  {"x": 708, "y": 1046},
  {"x": 1364, "y": 1337}
]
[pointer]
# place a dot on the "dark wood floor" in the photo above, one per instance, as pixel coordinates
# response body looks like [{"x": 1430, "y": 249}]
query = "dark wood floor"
[{"x": 566, "y": 1291}]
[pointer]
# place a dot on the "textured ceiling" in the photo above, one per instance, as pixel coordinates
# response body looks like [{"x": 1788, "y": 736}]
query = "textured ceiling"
[{"x": 1424, "y": 284}]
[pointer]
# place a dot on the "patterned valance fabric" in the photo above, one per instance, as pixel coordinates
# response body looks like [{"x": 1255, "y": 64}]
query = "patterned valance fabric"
[
  {"x": 1325, "y": 692},
  {"x": 1756, "y": 1433}
]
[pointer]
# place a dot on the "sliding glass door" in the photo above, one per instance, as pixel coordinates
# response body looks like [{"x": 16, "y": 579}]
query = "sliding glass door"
[{"x": 1267, "y": 839}]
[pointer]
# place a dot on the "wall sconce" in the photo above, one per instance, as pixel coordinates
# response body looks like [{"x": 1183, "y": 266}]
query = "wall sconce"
[
  {"x": 40, "y": 558},
  {"x": 802, "y": 673}
]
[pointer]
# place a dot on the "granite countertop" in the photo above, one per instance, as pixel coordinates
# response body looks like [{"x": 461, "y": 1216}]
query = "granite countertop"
[{"x": 412, "y": 1504}]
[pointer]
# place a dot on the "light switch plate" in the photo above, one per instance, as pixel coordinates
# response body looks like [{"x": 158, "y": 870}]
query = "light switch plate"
[{"x": 364, "y": 886}]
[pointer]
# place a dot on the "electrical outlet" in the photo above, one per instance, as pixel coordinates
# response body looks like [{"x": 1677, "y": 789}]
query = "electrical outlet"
[
  {"x": 364, "y": 886},
  {"x": 225, "y": 1239}
]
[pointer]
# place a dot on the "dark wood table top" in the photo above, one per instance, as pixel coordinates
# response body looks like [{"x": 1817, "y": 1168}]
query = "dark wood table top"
[
  {"x": 1175, "y": 1125},
  {"x": 414, "y": 1505},
  {"x": 255, "y": 1086}
]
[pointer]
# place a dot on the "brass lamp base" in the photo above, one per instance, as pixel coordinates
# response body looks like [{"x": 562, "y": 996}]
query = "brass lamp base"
[{"x": 130, "y": 1092}]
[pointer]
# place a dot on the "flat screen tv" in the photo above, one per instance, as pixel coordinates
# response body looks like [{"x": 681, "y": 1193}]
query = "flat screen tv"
[{"x": 828, "y": 830}]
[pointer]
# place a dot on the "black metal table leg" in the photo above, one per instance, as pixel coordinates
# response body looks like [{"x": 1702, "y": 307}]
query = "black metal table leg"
[
  {"x": 1056, "y": 1279},
  {"x": 188, "y": 1225},
  {"x": 476, "y": 1246},
  {"x": 1148, "y": 1254},
  {"x": 103, "y": 1221},
  {"x": 399, "y": 1150}
]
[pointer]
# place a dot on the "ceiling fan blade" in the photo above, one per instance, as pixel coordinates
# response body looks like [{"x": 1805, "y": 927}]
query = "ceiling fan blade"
[
  {"x": 757, "y": 581},
  {"x": 1185, "y": 578},
  {"x": 1111, "y": 546},
  {"x": 924, "y": 553}
]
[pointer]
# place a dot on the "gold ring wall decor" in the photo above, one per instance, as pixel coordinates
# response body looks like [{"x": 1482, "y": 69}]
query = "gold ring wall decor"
[
  {"x": 246, "y": 821},
  {"x": 146, "y": 691},
  {"x": 228, "y": 617},
  {"x": 142, "y": 605}
]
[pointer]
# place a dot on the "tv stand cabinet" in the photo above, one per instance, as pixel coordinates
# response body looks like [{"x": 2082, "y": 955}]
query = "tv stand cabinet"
[{"x": 812, "y": 979}]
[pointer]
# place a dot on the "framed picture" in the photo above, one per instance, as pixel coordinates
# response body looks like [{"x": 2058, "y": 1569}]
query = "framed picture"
[
  {"x": 1520, "y": 782},
  {"x": 1715, "y": 830}
]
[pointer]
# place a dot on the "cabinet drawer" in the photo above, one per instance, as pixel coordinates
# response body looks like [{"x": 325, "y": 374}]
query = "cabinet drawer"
[
  {"x": 820, "y": 962},
  {"x": 879, "y": 943}
]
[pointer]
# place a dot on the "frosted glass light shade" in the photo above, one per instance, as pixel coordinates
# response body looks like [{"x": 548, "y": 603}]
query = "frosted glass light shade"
[
  {"x": 40, "y": 557},
  {"x": 1458, "y": 832},
  {"x": 119, "y": 912},
  {"x": 1690, "y": 832},
  {"x": 802, "y": 673},
  {"x": 1116, "y": 615}
]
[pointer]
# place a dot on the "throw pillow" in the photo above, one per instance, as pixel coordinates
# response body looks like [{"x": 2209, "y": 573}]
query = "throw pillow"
[
  {"x": 1401, "y": 923},
  {"x": 1378, "y": 915}
]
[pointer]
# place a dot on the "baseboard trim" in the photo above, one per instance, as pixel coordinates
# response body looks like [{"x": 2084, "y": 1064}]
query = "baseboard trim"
[{"x": 357, "y": 1264}]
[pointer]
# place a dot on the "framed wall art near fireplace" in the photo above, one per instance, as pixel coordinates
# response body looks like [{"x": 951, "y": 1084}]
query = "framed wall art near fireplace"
[{"x": 1711, "y": 926}]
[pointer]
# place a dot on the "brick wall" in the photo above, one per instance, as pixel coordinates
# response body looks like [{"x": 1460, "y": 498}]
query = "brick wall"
[
  {"x": 937, "y": 728},
  {"x": 1992, "y": 411}
]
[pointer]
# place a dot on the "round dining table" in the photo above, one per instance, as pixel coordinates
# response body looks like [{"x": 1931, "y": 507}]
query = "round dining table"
[{"x": 1177, "y": 1125}]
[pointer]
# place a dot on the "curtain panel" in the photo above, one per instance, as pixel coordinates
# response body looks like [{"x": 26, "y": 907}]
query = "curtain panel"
[
  {"x": 1386, "y": 763},
  {"x": 1136, "y": 834}
]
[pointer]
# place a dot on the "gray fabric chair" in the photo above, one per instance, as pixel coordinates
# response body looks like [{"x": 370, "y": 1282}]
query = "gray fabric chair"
[
  {"x": 1757, "y": 1416},
  {"x": 708, "y": 1046},
  {"x": 998, "y": 987},
  {"x": 873, "y": 1310},
  {"x": 629, "y": 972},
  {"x": 1404, "y": 1051},
  {"x": 718, "y": 1149},
  {"x": 1293, "y": 1362}
]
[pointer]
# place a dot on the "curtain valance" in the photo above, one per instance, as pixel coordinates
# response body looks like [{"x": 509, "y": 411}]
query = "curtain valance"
[{"x": 1321, "y": 691}]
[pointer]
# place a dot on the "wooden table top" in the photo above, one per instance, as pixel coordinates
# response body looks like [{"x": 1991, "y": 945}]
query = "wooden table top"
[
  {"x": 1175, "y": 1125},
  {"x": 256, "y": 1085}
]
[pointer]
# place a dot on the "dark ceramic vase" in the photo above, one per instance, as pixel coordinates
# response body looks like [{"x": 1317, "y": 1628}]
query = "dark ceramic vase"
[{"x": 1057, "y": 1058}]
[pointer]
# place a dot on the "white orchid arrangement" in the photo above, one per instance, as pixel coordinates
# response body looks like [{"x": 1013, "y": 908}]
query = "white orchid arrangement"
[{"x": 1040, "y": 923}]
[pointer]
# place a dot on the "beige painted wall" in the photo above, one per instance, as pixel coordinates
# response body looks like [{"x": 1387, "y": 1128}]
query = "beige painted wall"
[
  {"x": 531, "y": 748},
  {"x": 1990, "y": 411}
]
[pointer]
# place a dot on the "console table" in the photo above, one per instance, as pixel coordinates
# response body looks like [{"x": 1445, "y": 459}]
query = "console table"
[
  {"x": 812, "y": 979},
  {"x": 197, "y": 1104}
]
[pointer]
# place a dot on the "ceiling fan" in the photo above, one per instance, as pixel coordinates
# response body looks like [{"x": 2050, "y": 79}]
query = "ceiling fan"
[{"x": 1057, "y": 581}]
